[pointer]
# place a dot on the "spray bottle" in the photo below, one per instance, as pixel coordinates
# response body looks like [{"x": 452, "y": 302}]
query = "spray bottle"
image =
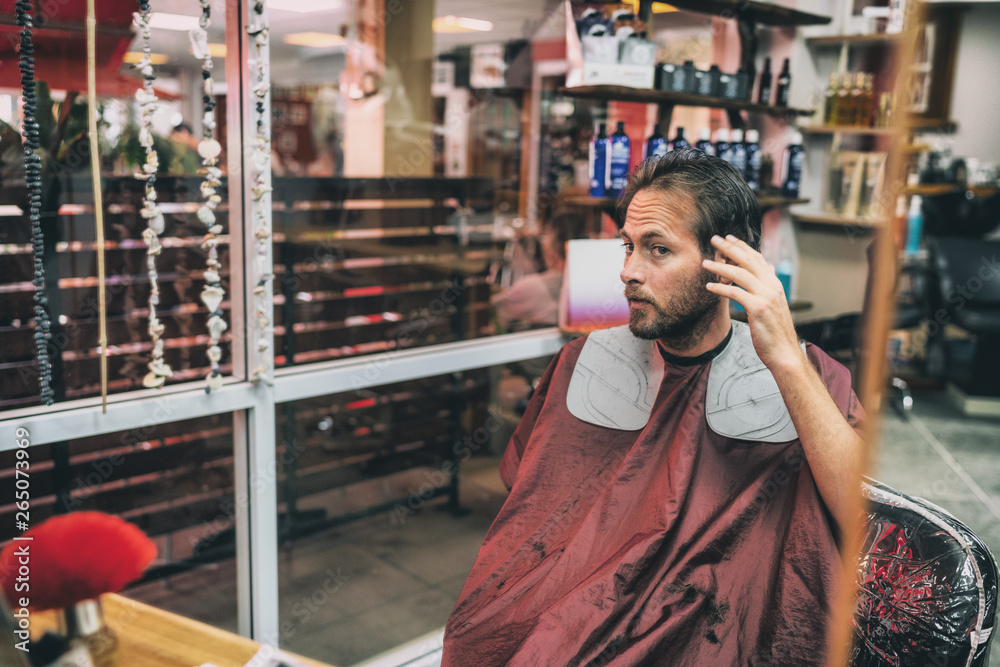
[{"x": 598, "y": 162}]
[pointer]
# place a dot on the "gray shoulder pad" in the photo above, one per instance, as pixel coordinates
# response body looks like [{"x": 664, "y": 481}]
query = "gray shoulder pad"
[
  {"x": 743, "y": 400},
  {"x": 618, "y": 375},
  {"x": 616, "y": 380}
]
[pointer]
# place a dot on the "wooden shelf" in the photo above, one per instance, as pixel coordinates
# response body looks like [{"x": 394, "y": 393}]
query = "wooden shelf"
[
  {"x": 855, "y": 40},
  {"x": 918, "y": 124},
  {"x": 764, "y": 13},
  {"x": 768, "y": 202},
  {"x": 795, "y": 306},
  {"x": 609, "y": 203},
  {"x": 834, "y": 219},
  {"x": 934, "y": 189},
  {"x": 664, "y": 97},
  {"x": 848, "y": 129},
  {"x": 915, "y": 125},
  {"x": 586, "y": 201}
]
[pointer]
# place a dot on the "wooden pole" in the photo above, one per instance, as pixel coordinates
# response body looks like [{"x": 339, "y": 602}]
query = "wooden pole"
[{"x": 95, "y": 168}]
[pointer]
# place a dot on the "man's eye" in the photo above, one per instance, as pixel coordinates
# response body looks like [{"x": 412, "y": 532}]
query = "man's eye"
[
  {"x": 660, "y": 250},
  {"x": 628, "y": 247}
]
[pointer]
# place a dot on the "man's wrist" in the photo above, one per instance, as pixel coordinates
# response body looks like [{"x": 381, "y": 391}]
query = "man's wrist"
[{"x": 791, "y": 366}]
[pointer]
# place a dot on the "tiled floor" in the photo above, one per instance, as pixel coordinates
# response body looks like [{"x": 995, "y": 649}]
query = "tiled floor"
[
  {"x": 949, "y": 459},
  {"x": 361, "y": 589}
]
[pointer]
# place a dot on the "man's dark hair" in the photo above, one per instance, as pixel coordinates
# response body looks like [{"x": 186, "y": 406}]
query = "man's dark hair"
[
  {"x": 182, "y": 127},
  {"x": 724, "y": 201}
]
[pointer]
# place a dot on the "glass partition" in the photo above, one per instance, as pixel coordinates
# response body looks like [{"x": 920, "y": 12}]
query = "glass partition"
[
  {"x": 67, "y": 211},
  {"x": 385, "y": 495}
]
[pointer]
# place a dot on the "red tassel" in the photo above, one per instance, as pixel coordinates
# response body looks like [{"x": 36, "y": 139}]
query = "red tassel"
[{"x": 75, "y": 557}]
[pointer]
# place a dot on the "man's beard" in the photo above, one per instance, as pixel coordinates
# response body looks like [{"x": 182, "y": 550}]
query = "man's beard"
[{"x": 683, "y": 320}]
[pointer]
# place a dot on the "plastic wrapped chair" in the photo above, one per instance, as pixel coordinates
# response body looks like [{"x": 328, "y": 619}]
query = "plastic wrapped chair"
[{"x": 926, "y": 591}]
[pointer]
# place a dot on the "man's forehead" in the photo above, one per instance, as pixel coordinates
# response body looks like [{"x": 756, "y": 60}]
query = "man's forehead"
[{"x": 669, "y": 213}]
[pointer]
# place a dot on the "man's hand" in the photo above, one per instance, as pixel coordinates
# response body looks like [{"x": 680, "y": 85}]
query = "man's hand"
[
  {"x": 763, "y": 298},
  {"x": 834, "y": 451}
]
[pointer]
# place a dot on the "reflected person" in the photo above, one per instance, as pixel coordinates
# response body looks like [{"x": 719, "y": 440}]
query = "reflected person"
[
  {"x": 676, "y": 484},
  {"x": 532, "y": 301}
]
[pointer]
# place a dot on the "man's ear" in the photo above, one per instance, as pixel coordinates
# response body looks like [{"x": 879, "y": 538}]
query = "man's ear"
[{"x": 719, "y": 257}]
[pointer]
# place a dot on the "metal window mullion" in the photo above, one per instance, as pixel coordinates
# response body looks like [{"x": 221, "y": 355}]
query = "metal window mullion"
[
  {"x": 256, "y": 500},
  {"x": 327, "y": 378},
  {"x": 253, "y": 429},
  {"x": 135, "y": 411}
]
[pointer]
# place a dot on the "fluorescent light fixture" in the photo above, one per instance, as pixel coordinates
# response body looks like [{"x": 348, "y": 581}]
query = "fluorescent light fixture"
[
  {"x": 134, "y": 57},
  {"x": 317, "y": 39},
  {"x": 658, "y": 7},
  {"x": 162, "y": 21},
  {"x": 217, "y": 50},
  {"x": 304, "y": 6},
  {"x": 461, "y": 24}
]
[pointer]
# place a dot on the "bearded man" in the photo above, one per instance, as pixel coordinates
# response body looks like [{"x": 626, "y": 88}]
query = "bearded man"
[{"x": 676, "y": 484}]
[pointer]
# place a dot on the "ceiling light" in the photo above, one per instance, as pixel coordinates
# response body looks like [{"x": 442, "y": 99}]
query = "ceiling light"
[
  {"x": 461, "y": 24},
  {"x": 135, "y": 57},
  {"x": 663, "y": 8},
  {"x": 217, "y": 50},
  {"x": 318, "y": 39},
  {"x": 162, "y": 21},
  {"x": 304, "y": 6},
  {"x": 658, "y": 7}
]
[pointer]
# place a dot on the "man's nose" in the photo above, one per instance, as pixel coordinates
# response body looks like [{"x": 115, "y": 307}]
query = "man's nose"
[{"x": 632, "y": 271}]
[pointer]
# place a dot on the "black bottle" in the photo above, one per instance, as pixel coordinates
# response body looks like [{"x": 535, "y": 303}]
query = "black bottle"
[
  {"x": 784, "y": 82},
  {"x": 751, "y": 172},
  {"x": 764, "y": 89},
  {"x": 690, "y": 83},
  {"x": 679, "y": 141}
]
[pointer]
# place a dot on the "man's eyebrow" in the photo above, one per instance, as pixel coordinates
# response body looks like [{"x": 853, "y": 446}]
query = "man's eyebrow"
[{"x": 646, "y": 237}]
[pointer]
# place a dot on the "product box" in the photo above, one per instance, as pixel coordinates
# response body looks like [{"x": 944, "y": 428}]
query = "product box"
[
  {"x": 604, "y": 59},
  {"x": 632, "y": 76},
  {"x": 599, "y": 50},
  {"x": 853, "y": 164},
  {"x": 637, "y": 52}
]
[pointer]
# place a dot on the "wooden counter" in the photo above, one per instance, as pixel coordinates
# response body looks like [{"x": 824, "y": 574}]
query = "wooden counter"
[{"x": 152, "y": 637}]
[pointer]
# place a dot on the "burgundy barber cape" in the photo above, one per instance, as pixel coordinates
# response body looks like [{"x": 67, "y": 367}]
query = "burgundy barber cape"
[{"x": 671, "y": 545}]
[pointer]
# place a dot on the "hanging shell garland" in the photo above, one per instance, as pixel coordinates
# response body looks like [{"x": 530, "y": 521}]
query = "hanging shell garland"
[
  {"x": 159, "y": 371},
  {"x": 261, "y": 173},
  {"x": 213, "y": 294}
]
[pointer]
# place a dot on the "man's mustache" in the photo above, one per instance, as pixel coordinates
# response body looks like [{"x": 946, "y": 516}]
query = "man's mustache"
[{"x": 634, "y": 294}]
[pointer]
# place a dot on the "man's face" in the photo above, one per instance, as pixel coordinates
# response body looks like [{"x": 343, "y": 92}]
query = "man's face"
[{"x": 663, "y": 276}]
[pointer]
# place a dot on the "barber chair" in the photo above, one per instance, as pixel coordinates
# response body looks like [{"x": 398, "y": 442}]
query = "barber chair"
[
  {"x": 926, "y": 589},
  {"x": 966, "y": 293}
]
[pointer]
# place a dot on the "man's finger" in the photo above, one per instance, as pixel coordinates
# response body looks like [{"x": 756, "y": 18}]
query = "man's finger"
[
  {"x": 742, "y": 277},
  {"x": 739, "y": 252},
  {"x": 732, "y": 293}
]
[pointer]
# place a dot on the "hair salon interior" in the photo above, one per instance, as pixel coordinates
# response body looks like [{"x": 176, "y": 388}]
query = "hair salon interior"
[{"x": 334, "y": 243}]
